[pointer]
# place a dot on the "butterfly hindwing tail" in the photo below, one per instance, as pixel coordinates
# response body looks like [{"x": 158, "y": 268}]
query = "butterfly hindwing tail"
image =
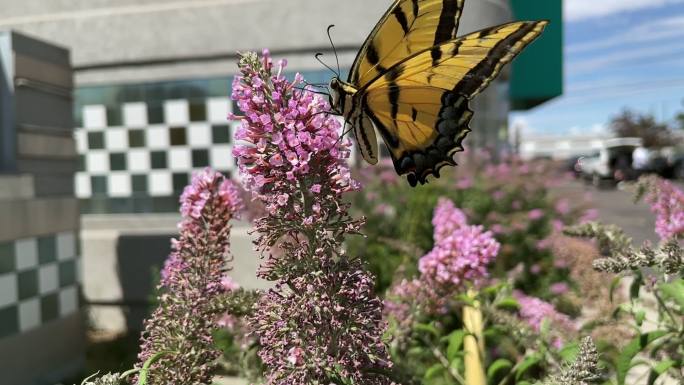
[
  {"x": 364, "y": 132},
  {"x": 452, "y": 126}
]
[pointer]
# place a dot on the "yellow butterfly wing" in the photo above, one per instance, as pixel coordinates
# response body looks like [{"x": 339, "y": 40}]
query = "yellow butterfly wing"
[
  {"x": 408, "y": 27},
  {"x": 420, "y": 105}
]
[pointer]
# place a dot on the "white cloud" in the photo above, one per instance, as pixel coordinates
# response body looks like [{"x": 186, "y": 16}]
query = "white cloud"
[
  {"x": 630, "y": 57},
  {"x": 596, "y": 129},
  {"x": 586, "y": 9},
  {"x": 519, "y": 124},
  {"x": 656, "y": 30}
]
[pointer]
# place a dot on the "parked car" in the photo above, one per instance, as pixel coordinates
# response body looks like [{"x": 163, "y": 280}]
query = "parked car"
[
  {"x": 611, "y": 163},
  {"x": 671, "y": 162},
  {"x": 573, "y": 165}
]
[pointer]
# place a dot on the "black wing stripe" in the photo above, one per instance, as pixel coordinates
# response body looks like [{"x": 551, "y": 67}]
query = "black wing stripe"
[
  {"x": 394, "y": 90},
  {"x": 485, "y": 68},
  {"x": 353, "y": 73},
  {"x": 401, "y": 19},
  {"x": 372, "y": 54},
  {"x": 448, "y": 22},
  {"x": 390, "y": 139},
  {"x": 436, "y": 53},
  {"x": 359, "y": 132}
]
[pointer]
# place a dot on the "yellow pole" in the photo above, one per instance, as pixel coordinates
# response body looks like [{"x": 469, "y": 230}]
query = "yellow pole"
[{"x": 473, "y": 343}]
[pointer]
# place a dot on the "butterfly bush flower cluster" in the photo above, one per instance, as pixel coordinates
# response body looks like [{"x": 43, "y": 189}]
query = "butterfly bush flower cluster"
[
  {"x": 321, "y": 323},
  {"x": 535, "y": 311},
  {"x": 192, "y": 279},
  {"x": 584, "y": 370},
  {"x": 667, "y": 203},
  {"x": 461, "y": 252},
  {"x": 459, "y": 259}
]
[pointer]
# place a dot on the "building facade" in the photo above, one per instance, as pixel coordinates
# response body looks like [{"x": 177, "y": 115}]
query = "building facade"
[
  {"x": 151, "y": 99},
  {"x": 42, "y": 335}
]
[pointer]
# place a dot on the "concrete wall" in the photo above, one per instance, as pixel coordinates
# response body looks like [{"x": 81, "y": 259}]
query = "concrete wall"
[
  {"x": 41, "y": 325},
  {"x": 143, "y": 41},
  {"x": 133, "y": 40},
  {"x": 123, "y": 254},
  {"x": 561, "y": 148}
]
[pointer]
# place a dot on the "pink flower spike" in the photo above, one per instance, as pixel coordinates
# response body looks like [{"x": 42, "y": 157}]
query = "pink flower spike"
[
  {"x": 299, "y": 173},
  {"x": 193, "y": 279},
  {"x": 535, "y": 214}
]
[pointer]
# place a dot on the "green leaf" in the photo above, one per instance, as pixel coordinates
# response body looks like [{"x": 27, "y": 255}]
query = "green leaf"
[
  {"x": 622, "y": 308},
  {"x": 674, "y": 291},
  {"x": 466, "y": 299},
  {"x": 427, "y": 328},
  {"x": 545, "y": 327},
  {"x": 496, "y": 367},
  {"x": 457, "y": 362},
  {"x": 509, "y": 303},
  {"x": 415, "y": 351},
  {"x": 455, "y": 342},
  {"x": 659, "y": 369},
  {"x": 527, "y": 363},
  {"x": 613, "y": 286},
  {"x": 624, "y": 361},
  {"x": 636, "y": 285},
  {"x": 144, "y": 371},
  {"x": 639, "y": 317},
  {"x": 493, "y": 332},
  {"x": 433, "y": 372},
  {"x": 493, "y": 290},
  {"x": 569, "y": 352}
]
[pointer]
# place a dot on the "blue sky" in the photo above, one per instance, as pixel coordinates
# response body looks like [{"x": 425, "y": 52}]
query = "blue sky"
[{"x": 618, "y": 53}]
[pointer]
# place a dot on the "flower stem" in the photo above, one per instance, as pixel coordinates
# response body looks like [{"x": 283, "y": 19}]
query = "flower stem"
[
  {"x": 445, "y": 362},
  {"x": 473, "y": 343}
]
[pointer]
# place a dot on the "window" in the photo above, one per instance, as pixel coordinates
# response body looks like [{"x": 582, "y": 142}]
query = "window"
[
  {"x": 158, "y": 159},
  {"x": 117, "y": 161},
  {"x": 177, "y": 136},
  {"x": 220, "y": 133},
  {"x": 136, "y": 138},
  {"x": 200, "y": 158},
  {"x": 96, "y": 140}
]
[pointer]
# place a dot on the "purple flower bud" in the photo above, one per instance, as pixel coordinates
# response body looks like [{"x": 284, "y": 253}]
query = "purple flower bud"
[
  {"x": 322, "y": 312},
  {"x": 192, "y": 277}
]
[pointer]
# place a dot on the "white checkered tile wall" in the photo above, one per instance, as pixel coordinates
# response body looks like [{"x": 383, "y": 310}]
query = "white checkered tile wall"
[
  {"x": 39, "y": 280},
  {"x": 141, "y": 157}
]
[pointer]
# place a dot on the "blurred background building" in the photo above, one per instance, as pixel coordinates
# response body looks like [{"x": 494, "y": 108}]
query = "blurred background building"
[
  {"x": 42, "y": 332},
  {"x": 151, "y": 86}
]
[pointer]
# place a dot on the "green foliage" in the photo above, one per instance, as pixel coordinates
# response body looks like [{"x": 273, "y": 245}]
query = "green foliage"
[
  {"x": 399, "y": 221},
  {"x": 512, "y": 199},
  {"x": 434, "y": 353},
  {"x": 635, "y": 124},
  {"x": 674, "y": 291},
  {"x": 239, "y": 350},
  {"x": 656, "y": 298},
  {"x": 625, "y": 361}
]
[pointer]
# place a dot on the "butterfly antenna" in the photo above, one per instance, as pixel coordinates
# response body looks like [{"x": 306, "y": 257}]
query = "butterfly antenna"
[
  {"x": 337, "y": 59},
  {"x": 313, "y": 91},
  {"x": 344, "y": 132},
  {"x": 319, "y": 85},
  {"x": 318, "y": 57}
]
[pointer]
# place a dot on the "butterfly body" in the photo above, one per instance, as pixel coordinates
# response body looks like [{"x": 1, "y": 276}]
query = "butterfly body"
[{"x": 413, "y": 79}]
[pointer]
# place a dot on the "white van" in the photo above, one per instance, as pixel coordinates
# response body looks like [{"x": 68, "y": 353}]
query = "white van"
[{"x": 612, "y": 161}]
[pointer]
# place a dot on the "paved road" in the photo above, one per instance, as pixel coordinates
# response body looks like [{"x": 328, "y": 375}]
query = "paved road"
[{"x": 616, "y": 206}]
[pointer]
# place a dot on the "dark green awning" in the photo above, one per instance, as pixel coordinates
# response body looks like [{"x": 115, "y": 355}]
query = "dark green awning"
[{"x": 537, "y": 74}]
